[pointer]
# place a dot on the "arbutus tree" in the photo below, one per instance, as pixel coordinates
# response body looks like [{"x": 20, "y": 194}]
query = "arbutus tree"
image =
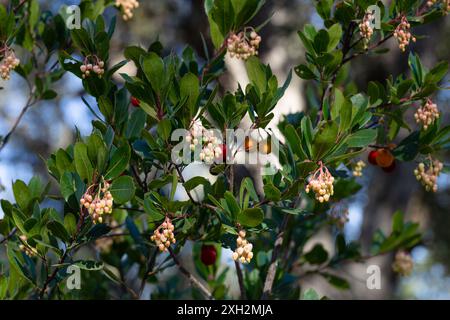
[{"x": 125, "y": 191}]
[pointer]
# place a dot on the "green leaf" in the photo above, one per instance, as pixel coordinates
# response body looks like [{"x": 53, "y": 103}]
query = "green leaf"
[
  {"x": 89, "y": 265},
  {"x": 304, "y": 72},
  {"x": 82, "y": 163},
  {"x": 164, "y": 129},
  {"x": 256, "y": 74},
  {"x": 250, "y": 217},
  {"x": 136, "y": 123},
  {"x": 119, "y": 162},
  {"x": 123, "y": 189},
  {"x": 189, "y": 87},
  {"x": 345, "y": 115},
  {"x": 153, "y": 67},
  {"x": 22, "y": 194},
  {"x": 336, "y": 281},
  {"x": 271, "y": 192},
  {"x": 310, "y": 294},
  {"x": 335, "y": 34},
  {"x": 58, "y": 230},
  {"x": 70, "y": 223},
  {"x": 361, "y": 138},
  {"x": 317, "y": 255},
  {"x": 321, "y": 41}
]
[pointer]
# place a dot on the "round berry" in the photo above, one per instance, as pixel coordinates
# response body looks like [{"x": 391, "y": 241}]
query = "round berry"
[
  {"x": 384, "y": 158},
  {"x": 391, "y": 168},
  {"x": 372, "y": 158},
  {"x": 135, "y": 101},
  {"x": 208, "y": 255}
]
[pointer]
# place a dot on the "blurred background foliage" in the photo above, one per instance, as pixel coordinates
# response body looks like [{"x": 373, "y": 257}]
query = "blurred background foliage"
[{"x": 48, "y": 126}]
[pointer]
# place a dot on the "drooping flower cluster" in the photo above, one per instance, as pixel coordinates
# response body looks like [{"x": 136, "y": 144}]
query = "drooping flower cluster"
[
  {"x": 163, "y": 236},
  {"x": 365, "y": 28},
  {"x": 101, "y": 203},
  {"x": 403, "y": 35},
  {"x": 403, "y": 263},
  {"x": 321, "y": 183},
  {"x": 244, "y": 44},
  {"x": 211, "y": 148},
  {"x": 427, "y": 114},
  {"x": 127, "y": 8},
  {"x": 92, "y": 64},
  {"x": 357, "y": 170},
  {"x": 8, "y": 63},
  {"x": 25, "y": 247},
  {"x": 243, "y": 252},
  {"x": 428, "y": 176}
]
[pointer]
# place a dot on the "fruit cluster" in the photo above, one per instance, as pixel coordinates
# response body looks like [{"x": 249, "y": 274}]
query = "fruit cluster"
[
  {"x": 383, "y": 158},
  {"x": 403, "y": 263},
  {"x": 244, "y": 44},
  {"x": 25, "y": 247},
  {"x": 101, "y": 203},
  {"x": 243, "y": 252},
  {"x": 428, "y": 176},
  {"x": 211, "y": 148},
  {"x": 427, "y": 114},
  {"x": 127, "y": 8},
  {"x": 357, "y": 170},
  {"x": 321, "y": 183},
  {"x": 365, "y": 28},
  {"x": 92, "y": 64},
  {"x": 8, "y": 63},
  {"x": 163, "y": 236},
  {"x": 403, "y": 35}
]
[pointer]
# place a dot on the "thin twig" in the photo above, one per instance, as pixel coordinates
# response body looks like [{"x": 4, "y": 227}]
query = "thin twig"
[
  {"x": 191, "y": 278},
  {"x": 29, "y": 104},
  {"x": 12, "y": 233}
]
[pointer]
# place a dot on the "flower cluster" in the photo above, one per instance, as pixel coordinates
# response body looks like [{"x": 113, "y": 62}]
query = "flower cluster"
[
  {"x": 211, "y": 148},
  {"x": 25, "y": 247},
  {"x": 127, "y": 8},
  {"x": 8, "y": 63},
  {"x": 403, "y": 35},
  {"x": 321, "y": 184},
  {"x": 100, "y": 204},
  {"x": 365, "y": 28},
  {"x": 357, "y": 170},
  {"x": 243, "y": 252},
  {"x": 403, "y": 263},
  {"x": 427, "y": 114},
  {"x": 92, "y": 64},
  {"x": 163, "y": 236},
  {"x": 243, "y": 45},
  {"x": 428, "y": 176}
]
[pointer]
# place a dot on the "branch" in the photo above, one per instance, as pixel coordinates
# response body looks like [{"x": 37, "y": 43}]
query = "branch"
[
  {"x": 12, "y": 233},
  {"x": 268, "y": 284},
  {"x": 150, "y": 265},
  {"x": 16, "y": 123},
  {"x": 19, "y": 5},
  {"x": 191, "y": 278},
  {"x": 240, "y": 280}
]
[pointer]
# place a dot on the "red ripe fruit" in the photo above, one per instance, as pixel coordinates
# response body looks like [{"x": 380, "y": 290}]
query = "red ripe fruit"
[
  {"x": 135, "y": 101},
  {"x": 372, "y": 158},
  {"x": 390, "y": 168},
  {"x": 208, "y": 255}
]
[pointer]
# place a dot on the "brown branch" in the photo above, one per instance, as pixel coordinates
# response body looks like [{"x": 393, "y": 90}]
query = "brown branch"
[
  {"x": 29, "y": 104},
  {"x": 191, "y": 278},
  {"x": 270, "y": 278},
  {"x": 11, "y": 234},
  {"x": 19, "y": 5},
  {"x": 240, "y": 280}
]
